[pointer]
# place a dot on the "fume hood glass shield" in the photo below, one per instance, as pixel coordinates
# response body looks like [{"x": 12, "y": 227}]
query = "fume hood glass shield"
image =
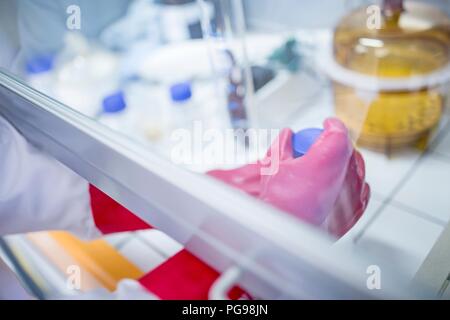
[{"x": 210, "y": 86}]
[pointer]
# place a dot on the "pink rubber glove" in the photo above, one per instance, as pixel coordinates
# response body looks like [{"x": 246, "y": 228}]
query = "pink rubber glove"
[{"x": 325, "y": 187}]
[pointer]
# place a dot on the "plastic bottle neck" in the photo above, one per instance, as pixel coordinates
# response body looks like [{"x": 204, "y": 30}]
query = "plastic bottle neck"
[{"x": 392, "y": 9}]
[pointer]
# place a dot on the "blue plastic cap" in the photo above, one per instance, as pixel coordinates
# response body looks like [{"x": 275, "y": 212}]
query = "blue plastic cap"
[
  {"x": 39, "y": 64},
  {"x": 232, "y": 105},
  {"x": 181, "y": 91},
  {"x": 303, "y": 140},
  {"x": 114, "y": 102}
]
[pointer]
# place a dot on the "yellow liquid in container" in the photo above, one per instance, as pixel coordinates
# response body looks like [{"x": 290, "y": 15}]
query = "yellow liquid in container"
[{"x": 409, "y": 44}]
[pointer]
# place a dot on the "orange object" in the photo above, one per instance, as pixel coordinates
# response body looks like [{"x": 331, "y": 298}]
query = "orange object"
[{"x": 99, "y": 258}]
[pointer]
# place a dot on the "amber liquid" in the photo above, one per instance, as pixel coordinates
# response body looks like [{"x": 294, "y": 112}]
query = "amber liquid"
[{"x": 392, "y": 119}]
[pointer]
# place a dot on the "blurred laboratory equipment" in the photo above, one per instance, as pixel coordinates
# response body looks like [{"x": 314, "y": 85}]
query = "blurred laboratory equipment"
[
  {"x": 267, "y": 77},
  {"x": 138, "y": 25},
  {"x": 163, "y": 69},
  {"x": 227, "y": 49},
  {"x": 116, "y": 113},
  {"x": 181, "y": 19},
  {"x": 151, "y": 115},
  {"x": 236, "y": 95},
  {"x": 296, "y": 85},
  {"x": 84, "y": 74},
  {"x": 392, "y": 68},
  {"x": 182, "y": 105},
  {"x": 156, "y": 22},
  {"x": 39, "y": 73}
]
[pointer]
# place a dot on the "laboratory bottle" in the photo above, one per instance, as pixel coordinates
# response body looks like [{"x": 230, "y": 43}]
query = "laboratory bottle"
[
  {"x": 392, "y": 65},
  {"x": 151, "y": 113},
  {"x": 39, "y": 73},
  {"x": 183, "y": 109},
  {"x": 180, "y": 19},
  {"x": 115, "y": 113}
]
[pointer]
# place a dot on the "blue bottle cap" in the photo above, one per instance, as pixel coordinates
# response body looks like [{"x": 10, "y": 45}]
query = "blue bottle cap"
[
  {"x": 114, "y": 102},
  {"x": 233, "y": 105},
  {"x": 303, "y": 140},
  {"x": 39, "y": 64},
  {"x": 180, "y": 91}
]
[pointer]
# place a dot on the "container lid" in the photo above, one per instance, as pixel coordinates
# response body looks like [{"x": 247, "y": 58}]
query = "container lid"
[
  {"x": 233, "y": 105},
  {"x": 303, "y": 140},
  {"x": 114, "y": 102},
  {"x": 181, "y": 91},
  {"x": 39, "y": 64},
  {"x": 397, "y": 40},
  {"x": 354, "y": 79}
]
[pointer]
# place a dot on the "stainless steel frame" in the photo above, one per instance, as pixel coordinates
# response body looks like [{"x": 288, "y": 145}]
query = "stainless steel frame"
[{"x": 279, "y": 257}]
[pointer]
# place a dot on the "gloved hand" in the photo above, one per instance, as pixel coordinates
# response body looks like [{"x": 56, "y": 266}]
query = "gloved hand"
[{"x": 325, "y": 187}]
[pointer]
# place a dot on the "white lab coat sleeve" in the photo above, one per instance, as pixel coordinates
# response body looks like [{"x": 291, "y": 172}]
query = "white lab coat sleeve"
[{"x": 39, "y": 193}]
